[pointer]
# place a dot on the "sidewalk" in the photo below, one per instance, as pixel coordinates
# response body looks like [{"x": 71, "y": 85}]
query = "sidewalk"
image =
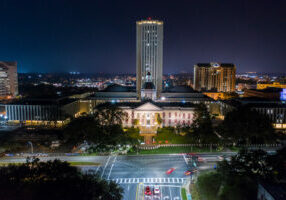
[{"x": 186, "y": 186}]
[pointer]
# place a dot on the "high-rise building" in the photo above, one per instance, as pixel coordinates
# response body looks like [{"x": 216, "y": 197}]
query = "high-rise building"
[
  {"x": 149, "y": 58},
  {"x": 8, "y": 79},
  {"x": 219, "y": 77}
]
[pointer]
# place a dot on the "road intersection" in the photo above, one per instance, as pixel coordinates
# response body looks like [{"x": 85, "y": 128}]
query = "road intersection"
[{"x": 134, "y": 173}]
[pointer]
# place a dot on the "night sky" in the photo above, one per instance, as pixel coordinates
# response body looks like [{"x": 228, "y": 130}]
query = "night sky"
[{"x": 99, "y": 35}]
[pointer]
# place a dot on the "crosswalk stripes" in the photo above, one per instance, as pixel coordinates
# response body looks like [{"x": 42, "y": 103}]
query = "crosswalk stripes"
[{"x": 148, "y": 180}]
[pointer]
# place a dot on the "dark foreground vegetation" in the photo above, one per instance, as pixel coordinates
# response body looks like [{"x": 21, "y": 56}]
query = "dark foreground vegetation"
[
  {"x": 55, "y": 180},
  {"x": 238, "y": 178}
]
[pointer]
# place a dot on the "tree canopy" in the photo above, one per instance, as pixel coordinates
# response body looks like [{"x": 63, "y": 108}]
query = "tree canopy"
[
  {"x": 238, "y": 178},
  {"x": 102, "y": 128},
  {"x": 247, "y": 126},
  {"x": 202, "y": 125},
  {"x": 55, "y": 180}
]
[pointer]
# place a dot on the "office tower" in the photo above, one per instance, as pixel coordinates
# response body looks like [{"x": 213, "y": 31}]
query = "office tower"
[
  {"x": 149, "y": 57},
  {"x": 219, "y": 77},
  {"x": 8, "y": 79}
]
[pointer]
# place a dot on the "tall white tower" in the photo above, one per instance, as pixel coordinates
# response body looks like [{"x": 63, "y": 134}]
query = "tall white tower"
[{"x": 149, "y": 56}]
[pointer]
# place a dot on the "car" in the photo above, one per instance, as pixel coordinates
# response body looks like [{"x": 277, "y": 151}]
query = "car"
[
  {"x": 156, "y": 190},
  {"x": 187, "y": 173},
  {"x": 191, "y": 171},
  {"x": 220, "y": 158},
  {"x": 200, "y": 159},
  {"x": 148, "y": 190},
  {"x": 169, "y": 171}
]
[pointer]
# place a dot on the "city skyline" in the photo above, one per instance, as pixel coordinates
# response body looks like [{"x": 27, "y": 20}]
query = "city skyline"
[{"x": 85, "y": 37}]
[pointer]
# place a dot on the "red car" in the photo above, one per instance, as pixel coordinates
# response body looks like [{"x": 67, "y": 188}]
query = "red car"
[
  {"x": 169, "y": 171},
  {"x": 187, "y": 173},
  {"x": 148, "y": 191},
  {"x": 200, "y": 159},
  {"x": 191, "y": 171}
]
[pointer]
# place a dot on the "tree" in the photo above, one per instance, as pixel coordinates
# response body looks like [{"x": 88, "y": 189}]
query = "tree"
[
  {"x": 55, "y": 180},
  {"x": 159, "y": 119},
  {"x": 246, "y": 125},
  {"x": 108, "y": 114},
  {"x": 202, "y": 125},
  {"x": 103, "y": 128},
  {"x": 135, "y": 122},
  {"x": 236, "y": 179},
  {"x": 254, "y": 164}
]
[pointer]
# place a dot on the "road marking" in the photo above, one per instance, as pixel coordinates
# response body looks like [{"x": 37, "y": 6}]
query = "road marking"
[
  {"x": 110, "y": 171},
  {"x": 186, "y": 161},
  {"x": 105, "y": 166},
  {"x": 170, "y": 192},
  {"x": 115, "y": 159},
  {"x": 149, "y": 180},
  {"x": 97, "y": 169},
  {"x": 172, "y": 186}
]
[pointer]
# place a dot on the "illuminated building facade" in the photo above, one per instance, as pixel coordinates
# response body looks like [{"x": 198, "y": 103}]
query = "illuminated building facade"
[
  {"x": 261, "y": 86},
  {"x": 42, "y": 111},
  {"x": 149, "y": 58},
  {"x": 8, "y": 79},
  {"x": 267, "y": 93},
  {"x": 218, "y": 77}
]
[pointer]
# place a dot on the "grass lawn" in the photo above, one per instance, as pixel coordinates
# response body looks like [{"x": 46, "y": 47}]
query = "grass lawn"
[
  {"x": 71, "y": 163},
  {"x": 83, "y": 163},
  {"x": 172, "y": 150},
  {"x": 184, "y": 194},
  {"x": 168, "y": 134},
  {"x": 3, "y": 164},
  {"x": 89, "y": 154}
]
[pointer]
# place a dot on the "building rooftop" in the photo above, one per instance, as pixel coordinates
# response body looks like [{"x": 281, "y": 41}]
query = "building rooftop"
[
  {"x": 219, "y": 64},
  {"x": 255, "y": 102},
  {"x": 159, "y": 104},
  {"x": 180, "y": 89},
  {"x": 268, "y": 90},
  {"x": 118, "y": 88},
  {"x": 28, "y": 101}
]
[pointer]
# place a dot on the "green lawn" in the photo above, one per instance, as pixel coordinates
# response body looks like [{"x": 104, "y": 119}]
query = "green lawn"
[
  {"x": 184, "y": 194},
  {"x": 2, "y": 164},
  {"x": 168, "y": 134},
  {"x": 71, "y": 163},
  {"x": 83, "y": 163},
  {"x": 172, "y": 150}
]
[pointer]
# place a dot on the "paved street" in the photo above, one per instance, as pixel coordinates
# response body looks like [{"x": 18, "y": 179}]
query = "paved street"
[
  {"x": 130, "y": 171},
  {"x": 134, "y": 173}
]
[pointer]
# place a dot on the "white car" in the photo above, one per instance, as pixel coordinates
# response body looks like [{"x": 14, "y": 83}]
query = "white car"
[{"x": 156, "y": 190}]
